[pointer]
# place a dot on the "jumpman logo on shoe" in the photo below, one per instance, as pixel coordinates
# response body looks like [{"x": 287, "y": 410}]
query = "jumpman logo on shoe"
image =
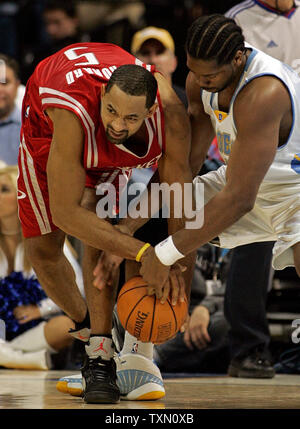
[
  {"x": 81, "y": 337},
  {"x": 101, "y": 347}
]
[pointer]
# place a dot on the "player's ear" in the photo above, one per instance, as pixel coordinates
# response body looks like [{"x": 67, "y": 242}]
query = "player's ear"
[
  {"x": 152, "y": 110},
  {"x": 239, "y": 57}
]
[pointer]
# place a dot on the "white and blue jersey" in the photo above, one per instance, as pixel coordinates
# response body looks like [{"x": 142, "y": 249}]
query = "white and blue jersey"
[
  {"x": 286, "y": 165},
  {"x": 276, "y": 213}
]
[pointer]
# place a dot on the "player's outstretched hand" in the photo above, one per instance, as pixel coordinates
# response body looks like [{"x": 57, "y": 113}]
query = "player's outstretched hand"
[
  {"x": 106, "y": 270},
  {"x": 162, "y": 280},
  {"x": 108, "y": 264}
]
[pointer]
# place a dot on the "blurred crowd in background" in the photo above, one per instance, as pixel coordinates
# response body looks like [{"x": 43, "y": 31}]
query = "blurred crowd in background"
[{"x": 30, "y": 30}]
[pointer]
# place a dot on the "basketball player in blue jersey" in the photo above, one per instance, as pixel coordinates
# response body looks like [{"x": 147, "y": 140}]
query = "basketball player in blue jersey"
[{"x": 251, "y": 101}]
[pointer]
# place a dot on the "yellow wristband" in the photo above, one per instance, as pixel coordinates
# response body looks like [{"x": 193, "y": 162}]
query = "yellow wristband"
[{"x": 141, "y": 251}]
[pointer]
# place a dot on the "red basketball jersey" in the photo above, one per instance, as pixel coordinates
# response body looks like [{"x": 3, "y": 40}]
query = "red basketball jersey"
[{"x": 71, "y": 79}]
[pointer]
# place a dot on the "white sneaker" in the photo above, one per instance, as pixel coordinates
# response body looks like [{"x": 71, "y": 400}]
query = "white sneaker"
[
  {"x": 17, "y": 359},
  {"x": 138, "y": 379}
]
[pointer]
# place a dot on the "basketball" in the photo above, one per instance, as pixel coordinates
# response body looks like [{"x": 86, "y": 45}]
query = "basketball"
[{"x": 143, "y": 315}]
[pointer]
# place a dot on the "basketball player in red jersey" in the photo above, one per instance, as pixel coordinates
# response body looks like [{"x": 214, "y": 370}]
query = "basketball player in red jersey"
[{"x": 92, "y": 112}]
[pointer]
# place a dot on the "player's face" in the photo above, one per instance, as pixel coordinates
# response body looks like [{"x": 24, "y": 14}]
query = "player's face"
[
  {"x": 122, "y": 114},
  {"x": 8, "y": 198},
  {"x": 8, "y": 92},
  {"x": 210, "y": 76}
]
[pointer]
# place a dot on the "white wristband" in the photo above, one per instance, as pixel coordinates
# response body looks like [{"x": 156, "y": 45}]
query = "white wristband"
[{"x": 166, "y": 252}]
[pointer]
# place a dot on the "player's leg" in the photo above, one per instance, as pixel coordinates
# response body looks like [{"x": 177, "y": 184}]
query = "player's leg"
[
  {"x": 43, "y": 240},
  {"x": 99, "y": 381},
  {"x": 55, "y": 273},
  {"x": 135, "y": 361}
]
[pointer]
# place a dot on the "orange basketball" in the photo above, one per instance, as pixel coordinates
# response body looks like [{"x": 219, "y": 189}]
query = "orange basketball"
[{"x": 144, "y": 317}]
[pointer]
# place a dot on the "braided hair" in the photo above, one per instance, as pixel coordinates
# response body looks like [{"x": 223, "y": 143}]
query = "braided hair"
[{"x": 214, "y": 37}]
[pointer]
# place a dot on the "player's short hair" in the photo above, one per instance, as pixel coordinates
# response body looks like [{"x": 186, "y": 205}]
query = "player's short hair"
[
  {"x": 134, "y": 80},
  {"x": 214, "y": 37},
  {"x": 67, "y": 6},
  {"x": 11, "y": 63}
]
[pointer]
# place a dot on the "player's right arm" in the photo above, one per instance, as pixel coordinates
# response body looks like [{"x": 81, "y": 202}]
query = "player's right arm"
[
  {"x": 201, "y": 127},
  {"x": 66, "y": 182}
]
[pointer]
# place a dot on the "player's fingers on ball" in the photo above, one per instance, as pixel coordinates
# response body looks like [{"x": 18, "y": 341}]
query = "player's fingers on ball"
[
  {"x": 175, "y": 288},
  {"x": 182, "y": 268},
  {"x": 165, "y": 292},
  {"x": 159, "y": 291},
  {"x": 150, "y": 290},
  {"x": 181, "y": 289}
]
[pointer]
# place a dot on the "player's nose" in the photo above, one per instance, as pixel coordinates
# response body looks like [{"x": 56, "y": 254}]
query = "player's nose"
[
  {"x": 201, "y": 81},
  {"x": 119, "y": 124}
]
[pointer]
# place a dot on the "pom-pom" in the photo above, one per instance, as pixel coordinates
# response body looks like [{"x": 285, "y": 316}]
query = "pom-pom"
[{"x": 16, "y": 290}]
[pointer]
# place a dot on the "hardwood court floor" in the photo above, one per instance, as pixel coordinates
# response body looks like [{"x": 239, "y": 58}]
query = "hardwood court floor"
[{"x": 36, "y": 390}]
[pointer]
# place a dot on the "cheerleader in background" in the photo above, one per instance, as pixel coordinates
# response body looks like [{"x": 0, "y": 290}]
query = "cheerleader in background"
[{"x": 35, "y": 325}]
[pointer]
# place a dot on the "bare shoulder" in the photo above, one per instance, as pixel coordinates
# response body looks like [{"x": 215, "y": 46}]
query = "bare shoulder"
[{"x": 264, "y": 92}]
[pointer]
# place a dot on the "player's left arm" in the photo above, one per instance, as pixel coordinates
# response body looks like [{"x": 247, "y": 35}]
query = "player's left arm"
[{"x": 258, "y": 113}]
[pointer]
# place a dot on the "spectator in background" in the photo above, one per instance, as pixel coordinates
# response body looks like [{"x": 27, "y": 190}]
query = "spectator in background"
[
  {"x": 36, "y": 329},
  {"x": 62, "y": 24},
  {"x": 271, "y": 26},
  {"x": 10, "y": 112},
  {"x": 153, "y": 45},
  {"x": 8, "y": 28},
  {"x": 62, "y": 28}
]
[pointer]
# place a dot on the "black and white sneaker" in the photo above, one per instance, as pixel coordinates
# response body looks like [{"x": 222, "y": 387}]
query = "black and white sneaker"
[{"x": 99, "y": 378}]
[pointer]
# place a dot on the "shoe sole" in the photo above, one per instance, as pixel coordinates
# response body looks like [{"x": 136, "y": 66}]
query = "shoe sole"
[
  {"x": 101, "y": 397},
  {"x": 62, "y": 386},
  {"x": 148, "y": 392},
  {"x": 235, "y": 372}
]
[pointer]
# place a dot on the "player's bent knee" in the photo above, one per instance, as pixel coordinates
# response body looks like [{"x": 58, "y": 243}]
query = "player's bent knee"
[{"x": 45, "y": 247}]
